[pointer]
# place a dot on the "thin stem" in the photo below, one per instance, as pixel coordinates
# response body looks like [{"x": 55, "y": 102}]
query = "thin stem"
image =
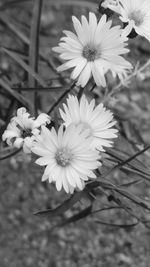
[
  {"x": 11, "y": 154},
  {"x": 34, "y": 47},
  {"x": 121, "y": 164},
  {"x": 53, "y": 88},
  {"x": 60, "y": 98}
]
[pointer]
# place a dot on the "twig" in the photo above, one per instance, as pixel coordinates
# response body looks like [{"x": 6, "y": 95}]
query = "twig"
[{"x": 61, "y": 97}]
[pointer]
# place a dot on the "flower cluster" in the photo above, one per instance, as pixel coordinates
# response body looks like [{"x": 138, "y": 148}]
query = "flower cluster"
[
  {"x": 22, "y": 129},
  {"x": 72, "y": 154}
]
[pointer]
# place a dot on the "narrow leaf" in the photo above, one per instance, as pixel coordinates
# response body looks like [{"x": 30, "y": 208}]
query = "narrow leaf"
[
  {"x": 67, "y": 204},
  {"x": 125, "y": 226},
  {"x": 82, "y": 214},
  {"x": 25, "y": 67},
  {"x": 4, "y": 155},
  {"x": 16, "y": 95}
]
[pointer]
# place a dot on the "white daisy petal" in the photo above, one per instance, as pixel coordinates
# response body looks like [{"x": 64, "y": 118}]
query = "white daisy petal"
[
  {"x": 44, "y": 177},
  {"x": 98, "y": 73},
  {"x": 75, "y": 73},
  {"x": 79, "y": 30},
  {"x": 18, "y": 142},
  {"x": 42, "y": 119},
  {"x": 85, "y": 75}
]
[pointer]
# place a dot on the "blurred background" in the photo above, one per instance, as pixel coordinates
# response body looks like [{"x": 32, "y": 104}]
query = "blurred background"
[{"x": 27, "y": 240}]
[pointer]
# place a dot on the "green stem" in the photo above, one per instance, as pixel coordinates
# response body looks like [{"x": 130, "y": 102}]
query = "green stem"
[{"x": 34, "y": 47}]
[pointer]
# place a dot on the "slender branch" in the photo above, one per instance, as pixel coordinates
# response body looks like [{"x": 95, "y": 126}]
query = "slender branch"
[{"x": 61, "y": 97}]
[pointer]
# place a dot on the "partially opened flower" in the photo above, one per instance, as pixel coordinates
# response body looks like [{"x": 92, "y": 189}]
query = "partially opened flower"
[
  {"x": 93, "y": 50},
  {"x": 68, "y": 159},
  {"x": 22, "y": 129},
  {"x": 136, "y": 13},
  {"x": 111, "y": 4},
  {"x": 97, "y": 120}
]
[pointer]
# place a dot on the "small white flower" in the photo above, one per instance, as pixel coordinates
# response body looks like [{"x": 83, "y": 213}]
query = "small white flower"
[
  {"x": 68, "y": 159},
  {"x": 96, "y": 120},
  {"x": 22, "y": 129},
  {"x": 136, "y": 13},
  {"x": 111, "y": 4},
  {"x": 95, "y": 49}
]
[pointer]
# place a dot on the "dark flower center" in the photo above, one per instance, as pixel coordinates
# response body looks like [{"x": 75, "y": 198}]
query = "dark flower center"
[
  {"x": 25, "y": 132},
  {"x": 90, "y": 53},
  {"x": 63, "y": 157},
  {"x": 137, "y": 16}
]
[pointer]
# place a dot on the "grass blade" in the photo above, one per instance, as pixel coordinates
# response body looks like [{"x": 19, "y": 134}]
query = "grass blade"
[
  {"x": 125, "y": 226},
  {"x": 67, "y": 204},
  {"x": 25, "y": 67},
  {"x": 16, "y": 95},
  {"x": 82, "y": 214}
]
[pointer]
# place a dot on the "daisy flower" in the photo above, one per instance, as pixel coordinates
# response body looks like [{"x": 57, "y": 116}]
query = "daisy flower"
[
  {"x": 136, "y": 13},
  {"x": 93, "y": 50},
  {"x": 22, "y": 129},
  {"x": 68, "y": 159},
  {"x": 97, "y": 120}
]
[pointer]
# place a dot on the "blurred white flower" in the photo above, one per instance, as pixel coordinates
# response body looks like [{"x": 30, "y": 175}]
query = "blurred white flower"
[
  {"x": 68, "y": 159},
  {"x": 96, "y": 120},
  {"x": 136, "y": 13},
  {"x": 22, "y": 129},
  {"x": 111, "y": 4},
  {"x": 93, "y": 50}
]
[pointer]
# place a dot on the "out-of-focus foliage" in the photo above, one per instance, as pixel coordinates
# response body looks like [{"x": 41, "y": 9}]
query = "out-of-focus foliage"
[{"x": 118, "y": 201}]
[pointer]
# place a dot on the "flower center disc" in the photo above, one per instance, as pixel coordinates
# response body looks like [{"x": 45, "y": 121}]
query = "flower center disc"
[
  {"x": 85, "y": 126},
  {"x": 137, "y": 17},
  {"x": 90, "y": 53},
  {"x": 63, "y": 157},
  {"x": 25, "y": 132}
]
